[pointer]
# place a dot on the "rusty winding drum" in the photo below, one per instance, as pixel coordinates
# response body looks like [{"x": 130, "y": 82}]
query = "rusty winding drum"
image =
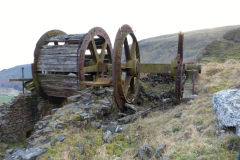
[{"x": 64, "y": 63}]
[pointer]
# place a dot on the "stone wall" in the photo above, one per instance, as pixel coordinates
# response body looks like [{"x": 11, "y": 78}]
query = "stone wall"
[{"x": 18, "y": 117}]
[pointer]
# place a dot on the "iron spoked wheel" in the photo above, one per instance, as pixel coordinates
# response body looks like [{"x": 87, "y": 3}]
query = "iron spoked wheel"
[
  {"x": 179, "y": 72},
  {"x": 126, "y": 63},
  {"x": 95, "y": 60},
  {"x": 42, "y": 41}
]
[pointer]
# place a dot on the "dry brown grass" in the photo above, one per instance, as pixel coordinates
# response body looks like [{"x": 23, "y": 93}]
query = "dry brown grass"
[{"x": 193, "y": 136}]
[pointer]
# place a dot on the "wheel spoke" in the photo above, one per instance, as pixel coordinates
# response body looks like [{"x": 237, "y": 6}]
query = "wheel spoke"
[
  {"x": 95, "y": 50},
  {"x": 127, "y": 50},
  {"x": 133, "y": 50},
  {"x": 127, "y": 84},
  {"x": 104, "y": 46}
]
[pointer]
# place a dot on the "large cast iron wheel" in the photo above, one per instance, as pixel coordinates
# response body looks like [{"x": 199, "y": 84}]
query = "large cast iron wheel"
[
  {"x": 94, "y": 64},
  {"x": 126, "y": 63}
]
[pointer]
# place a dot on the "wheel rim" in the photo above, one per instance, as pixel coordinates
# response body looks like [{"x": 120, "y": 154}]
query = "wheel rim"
[{"x": 125, "y": 74}]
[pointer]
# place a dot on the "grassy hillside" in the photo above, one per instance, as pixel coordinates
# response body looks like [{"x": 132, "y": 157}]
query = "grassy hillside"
[
  {"x": 227, "y": 48},
  {"x": 5, "y": 99},
  {"x": 190, "y": 136},
  {"x": 162, "y": 49}
]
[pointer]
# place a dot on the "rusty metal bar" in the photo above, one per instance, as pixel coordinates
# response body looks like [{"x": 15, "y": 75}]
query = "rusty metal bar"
[
  {"x": 178, "y": 78},
  {"x": 155, "y": 68}
]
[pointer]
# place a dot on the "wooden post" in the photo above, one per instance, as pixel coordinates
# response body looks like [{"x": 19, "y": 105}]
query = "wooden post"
[{"x": 23, "y": 81}]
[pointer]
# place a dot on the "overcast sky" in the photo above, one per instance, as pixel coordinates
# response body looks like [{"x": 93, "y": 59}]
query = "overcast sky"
[{"x": 24, "y": 21}]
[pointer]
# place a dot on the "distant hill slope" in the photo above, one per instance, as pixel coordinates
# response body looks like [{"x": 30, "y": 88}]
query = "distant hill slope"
[
  {"x": 15, "y": 72},
  {"x": 162, "y": 49},
  {"x": 226, "y": 48}
]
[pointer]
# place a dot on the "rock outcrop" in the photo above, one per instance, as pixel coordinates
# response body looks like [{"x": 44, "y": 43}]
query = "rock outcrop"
[{"x": 226, "y": 104}]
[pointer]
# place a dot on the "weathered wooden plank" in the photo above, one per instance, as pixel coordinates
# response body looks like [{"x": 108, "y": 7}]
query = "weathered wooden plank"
[
  {"x": 61, "y": 59},
  {"x": 58, "y": 55},
  {"x": 60, "y": 46},
  {"x": 58, "y": 60},
  {"x": 68, "y": 84},
  {"x": 60, "y": 92},
  {"x": 57, "y": 78},
  {"x": 66, "y": 37},
  {"x": 59, "y": 85},
  {"x": 56, "y": 68},
  {"x": 59, "y": 49},
  {"x": 20, "y": 79}
]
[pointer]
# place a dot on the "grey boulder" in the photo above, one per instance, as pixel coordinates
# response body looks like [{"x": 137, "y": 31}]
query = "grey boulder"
[
  {"x": 107, "y": 137},
  {"x": 145, "y": 152},
  {"x": 226, "y": 104}
]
